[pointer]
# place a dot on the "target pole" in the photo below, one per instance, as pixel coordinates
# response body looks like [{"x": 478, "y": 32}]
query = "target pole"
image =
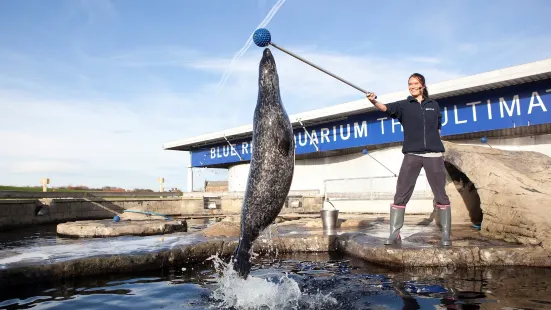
[
  {"x": 319, "y": 68},
  {"x": 364, "y": 151},
  {"x": 263, "y": 38}
]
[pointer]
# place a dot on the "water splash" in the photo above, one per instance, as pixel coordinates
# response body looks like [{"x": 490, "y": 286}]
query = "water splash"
[
  {"x": 276, "y": 292},
  {"x": 248, "y": 44}
]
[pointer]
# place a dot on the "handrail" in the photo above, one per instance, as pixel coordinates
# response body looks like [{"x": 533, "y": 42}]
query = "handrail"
[
  {"x": 367, "y": 178},
  {"x": 368, "y": 193}
]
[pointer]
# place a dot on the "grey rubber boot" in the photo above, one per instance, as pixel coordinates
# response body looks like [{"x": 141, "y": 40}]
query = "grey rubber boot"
[
  {"x": 446, "y": 223},
  {"x": 396, "y": 223}
]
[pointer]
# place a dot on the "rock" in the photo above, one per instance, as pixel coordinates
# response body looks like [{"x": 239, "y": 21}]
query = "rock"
[
  {"x": 191, "y": 255},
  {"x": 290, "y": 216},
  {"x": 421, "y": 249},
  {"x": 371, "y": 249},
  {"x": 341, "y": 223},
  {"x": 108, "y": 228},
  {"x": 295, "y": 244},
  {"x": 315, "y": 223},
  {"x": 232, "y": 219},
  {"x": 355, "y": 223},
  {"x": 464, "y": 198},
  {"x": 510, "y": 191},
  {"x": 46, "y": 201},
  {"x": 188, "y": 254},
  {"x": 227, "y": 229}
]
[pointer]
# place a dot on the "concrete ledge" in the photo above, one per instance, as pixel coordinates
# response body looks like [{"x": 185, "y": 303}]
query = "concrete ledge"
[
  {"x": 20, "y": 213},
  {"x": 11, "y": 201},
  {"x": 410, "y": 255},
  {"x": 359, "y": 236},
  {"x": 184, "y": 255},
  {"x": 108, "y": 228},
  {"x": 358, "y": 244}
]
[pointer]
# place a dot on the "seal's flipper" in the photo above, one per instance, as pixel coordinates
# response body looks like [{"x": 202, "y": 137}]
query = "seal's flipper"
[
  {"x": 283, "y": 140},
  {"x": 243, "y": 266},
  {"x": 242, "y": 260},
  {"x": 283, "y": 144}
]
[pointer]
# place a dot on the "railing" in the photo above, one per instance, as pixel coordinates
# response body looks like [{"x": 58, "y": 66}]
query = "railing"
[
  {"x": 367, "y": 188},
  {"x": 31, "y": 195}
]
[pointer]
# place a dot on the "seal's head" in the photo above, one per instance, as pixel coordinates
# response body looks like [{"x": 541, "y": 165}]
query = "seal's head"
[{"x": 267, "y": 77}]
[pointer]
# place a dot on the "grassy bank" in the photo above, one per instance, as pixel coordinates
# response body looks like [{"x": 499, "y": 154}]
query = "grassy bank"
[
  {"x": 36, "y": 189},
  {"x": 39, "y": 189}
]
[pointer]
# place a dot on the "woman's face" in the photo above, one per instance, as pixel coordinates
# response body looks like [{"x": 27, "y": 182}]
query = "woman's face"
[{"x": 415, "y": 87}]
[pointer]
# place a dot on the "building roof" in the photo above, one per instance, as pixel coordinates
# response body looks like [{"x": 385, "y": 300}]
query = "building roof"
[{"x": 524, "y": 73}]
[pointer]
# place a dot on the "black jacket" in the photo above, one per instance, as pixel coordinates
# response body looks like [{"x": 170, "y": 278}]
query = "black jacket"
[{"x": 421, "y": 122}]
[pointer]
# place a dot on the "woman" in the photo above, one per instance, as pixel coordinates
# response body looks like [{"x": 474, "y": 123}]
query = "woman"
[{"x": 421, "y": 119}]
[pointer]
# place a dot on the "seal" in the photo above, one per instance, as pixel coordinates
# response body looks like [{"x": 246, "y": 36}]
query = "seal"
[{"x": 272, "y": 163}]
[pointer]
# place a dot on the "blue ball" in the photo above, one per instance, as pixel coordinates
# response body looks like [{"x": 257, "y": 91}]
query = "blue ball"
[
  {"x": 483, "y": 139},
  {"x": 116, "y": 218},
  {"x": 364, "y": 151},
  {"x": 262, "y": 37}
]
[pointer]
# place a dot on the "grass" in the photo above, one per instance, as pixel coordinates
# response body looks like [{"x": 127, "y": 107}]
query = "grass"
[
  {"x": 63, "y": 190},
  {"x": 39, "y": 189}
]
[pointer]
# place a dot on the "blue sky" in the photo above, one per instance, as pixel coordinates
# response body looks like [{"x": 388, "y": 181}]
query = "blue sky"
[{"x": 90, "y": 90}]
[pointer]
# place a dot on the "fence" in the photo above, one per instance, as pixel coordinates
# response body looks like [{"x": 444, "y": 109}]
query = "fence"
[{"x": 373, "y": 194}]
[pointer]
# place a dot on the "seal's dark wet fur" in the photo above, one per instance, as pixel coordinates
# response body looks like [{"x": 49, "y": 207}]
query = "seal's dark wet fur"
[{"x": 272, "y": 163}]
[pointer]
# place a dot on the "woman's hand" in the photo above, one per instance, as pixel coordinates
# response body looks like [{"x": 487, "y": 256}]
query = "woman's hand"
[{"x": 371, "y": 97}]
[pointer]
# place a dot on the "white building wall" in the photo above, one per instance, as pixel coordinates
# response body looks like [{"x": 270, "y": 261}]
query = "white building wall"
[
  {"x": 323, "y": 174},
  {"x": 311, "y": 173}
]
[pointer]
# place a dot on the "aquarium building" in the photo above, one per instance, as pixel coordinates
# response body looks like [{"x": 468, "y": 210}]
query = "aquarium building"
[{"x": 354, "y": 148}]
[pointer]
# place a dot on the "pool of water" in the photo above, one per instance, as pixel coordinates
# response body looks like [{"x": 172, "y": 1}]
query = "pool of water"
[
  {"x": 45, "y": 235},
  {"x": 293, "y": 281},
  {"x": 30, "y": 236}
]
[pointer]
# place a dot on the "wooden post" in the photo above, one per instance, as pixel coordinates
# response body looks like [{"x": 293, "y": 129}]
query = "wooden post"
[
  {"x": 161, "y": 181},
  {"x": 45, "y": 183},
  {"x": 161, "y": 187}
]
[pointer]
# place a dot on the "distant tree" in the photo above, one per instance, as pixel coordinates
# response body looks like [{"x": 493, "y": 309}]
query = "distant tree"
[
  {"x": 142, "y": 190},
  {"x": 112, "y": 189},
  {"x": 78, "y": 187}
]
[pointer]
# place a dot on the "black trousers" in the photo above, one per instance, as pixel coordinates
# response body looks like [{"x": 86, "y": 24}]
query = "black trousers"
[{"x": 409, "y": 172}]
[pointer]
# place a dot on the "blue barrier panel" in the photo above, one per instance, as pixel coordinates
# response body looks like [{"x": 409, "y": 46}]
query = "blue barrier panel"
[{"x": 508, "y": 107}]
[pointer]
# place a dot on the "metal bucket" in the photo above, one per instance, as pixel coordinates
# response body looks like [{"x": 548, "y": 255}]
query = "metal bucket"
[{"x": 329, "y": 219}]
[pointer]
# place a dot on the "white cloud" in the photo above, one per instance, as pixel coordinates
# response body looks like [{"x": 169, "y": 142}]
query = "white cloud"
[
  {"x": 98, "y": 9},
  {"x": 43, "y": 166},
  {"x": 304, "y": 87},
  {"x": 90, "y": 143},
  {"x": 468, "y": 48}
]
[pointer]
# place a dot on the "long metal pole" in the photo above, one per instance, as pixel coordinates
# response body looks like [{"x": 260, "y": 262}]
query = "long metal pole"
[
  {"x": 382, "y": 164},
  {"x": 319, "y": 68}
]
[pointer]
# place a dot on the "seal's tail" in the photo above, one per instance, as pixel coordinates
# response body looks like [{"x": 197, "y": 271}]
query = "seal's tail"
[{"x": 242, "y": 262}]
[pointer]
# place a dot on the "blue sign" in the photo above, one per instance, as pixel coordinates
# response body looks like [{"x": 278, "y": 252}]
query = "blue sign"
[{"x": 509, "y": 107}]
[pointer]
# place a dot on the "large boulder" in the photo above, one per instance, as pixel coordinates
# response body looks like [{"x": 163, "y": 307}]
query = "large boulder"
[
  {"x": 509, "y": 192},
  {"x": 463, "y": 196},
  {"x": 223, "y": 229}
]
